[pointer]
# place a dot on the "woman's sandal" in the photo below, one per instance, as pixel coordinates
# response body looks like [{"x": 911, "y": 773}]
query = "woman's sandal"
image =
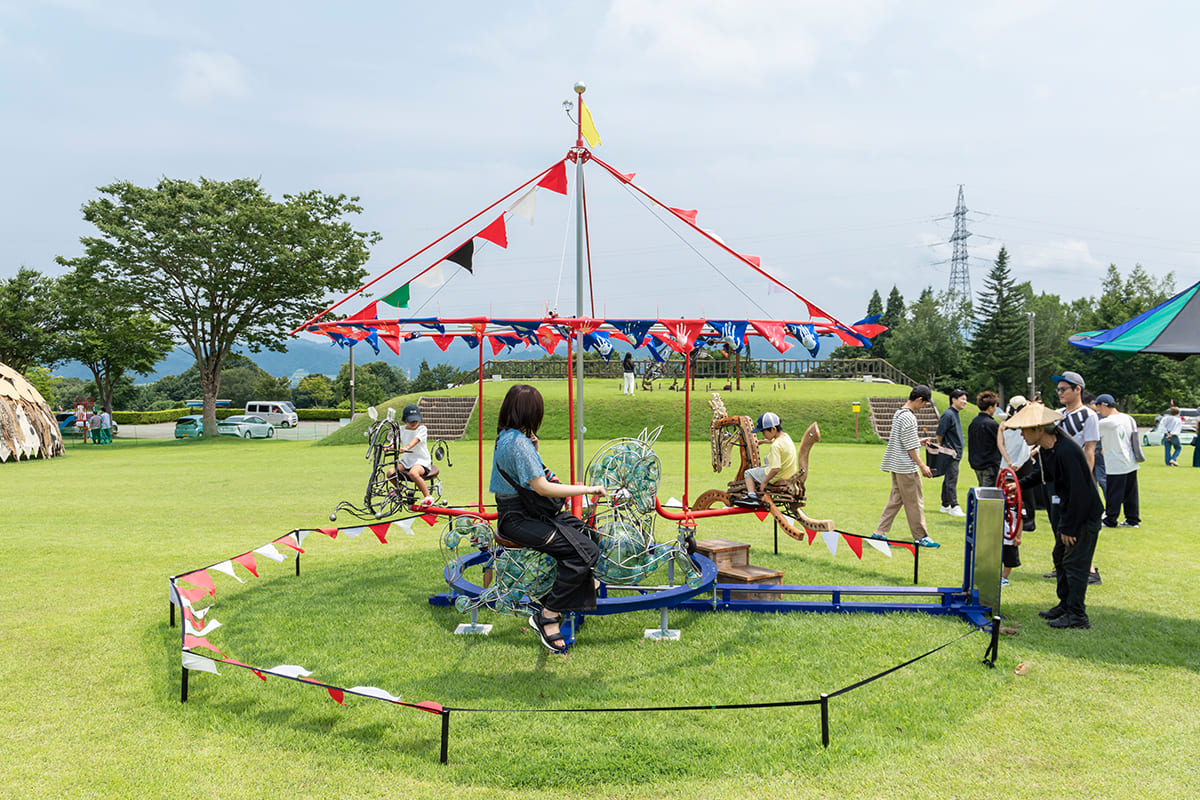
[{"x": 555, "y": 643}]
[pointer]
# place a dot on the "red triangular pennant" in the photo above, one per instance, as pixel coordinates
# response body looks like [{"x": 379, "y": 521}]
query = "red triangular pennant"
[
  {"x": 200, "y": 578},
  {"x": 762, "y": 514},
  {"x": 811, "y": 535},
  {"x": 430, "y": 519},
  {"x": 556, "y": 178},
  {"x": 909, "y": 546},
  {"x": 367, "y": 313},
  {"x": 755, "y": 260},
  {"x": 336, "y": 694},
  {"x": 193, "y": 595},
  {"x": 429, "y": 705},
  {"x": 688, "y": 215},
  {"x": 190, "y": 641},
  {"x": 289, "y": 542},
  {"x": 392, "y": 340},
  {"x": 495, "y": 233},
  {"x": 497, "y": 344},
  {"x": 247, "y": 561},
  {"x": 548, "y": 338},
  {"x": 683, "y": 334},
  {"x": 330, "y": 532},
  {"x": 442, "y": 342},
  {"x": 773, "y": 332},
  {"x": 381, "y": 530},
  {"x": 854, "y": 543}
]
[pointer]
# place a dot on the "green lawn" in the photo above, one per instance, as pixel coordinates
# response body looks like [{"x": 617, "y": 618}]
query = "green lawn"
[{"x": 91, "y": 669}]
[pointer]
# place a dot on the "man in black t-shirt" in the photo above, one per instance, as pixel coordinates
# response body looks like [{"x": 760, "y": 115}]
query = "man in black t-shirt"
[{"x": 983, "y": 452}]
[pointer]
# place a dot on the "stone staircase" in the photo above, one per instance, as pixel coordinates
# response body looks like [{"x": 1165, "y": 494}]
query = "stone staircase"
[
  {"x": 733, "y": 566},
  {"x": 446, "y": 417},
  {"x": 883, "y": 408}
]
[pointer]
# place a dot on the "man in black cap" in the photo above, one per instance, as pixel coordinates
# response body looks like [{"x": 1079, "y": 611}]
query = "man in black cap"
[{"x": 1082, "y": 424}]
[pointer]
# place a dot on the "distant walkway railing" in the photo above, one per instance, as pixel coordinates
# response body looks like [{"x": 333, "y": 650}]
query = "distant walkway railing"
[{"x": 709, "y": 369}]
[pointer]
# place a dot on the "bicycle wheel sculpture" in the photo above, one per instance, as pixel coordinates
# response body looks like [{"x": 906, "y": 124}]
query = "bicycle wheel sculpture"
[
  {"x": 389, "y": 489},
  {"x": 623, "y": 527}
]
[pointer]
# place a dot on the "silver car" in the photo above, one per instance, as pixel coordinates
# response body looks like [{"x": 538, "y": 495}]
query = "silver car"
[{"x": 247, "y": 427}]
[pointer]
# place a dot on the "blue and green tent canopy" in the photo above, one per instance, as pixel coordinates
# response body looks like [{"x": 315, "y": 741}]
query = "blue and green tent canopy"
[{"x": 1171, "y": 329}]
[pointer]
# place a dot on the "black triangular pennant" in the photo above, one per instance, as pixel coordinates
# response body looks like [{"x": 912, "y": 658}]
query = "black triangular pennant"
[{"x": 462, "y": 256}]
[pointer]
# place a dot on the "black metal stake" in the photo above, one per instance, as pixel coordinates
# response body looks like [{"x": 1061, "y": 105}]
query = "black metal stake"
[
  {"x": 824, "y": 720},
  {"x": 172, "y": 605},
  {"x": 445, "y": 734},
  {"x": 993, "y": 651},
  {"x": 776, "y": 522},
  {"x": 183, "y": 686},
  {"x": 297, "y": 563},
  {"x": 916, "y": 564}
]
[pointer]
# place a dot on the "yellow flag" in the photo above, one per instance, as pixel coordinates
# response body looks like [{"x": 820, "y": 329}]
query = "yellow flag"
[{"x": 586, "y": 125}]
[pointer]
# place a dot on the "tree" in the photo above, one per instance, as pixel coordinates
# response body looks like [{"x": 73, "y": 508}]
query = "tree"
[
  {"x": 222, "y": 263},
  {"x": 367, "y": 389},
  {"x": 1000, "y": 348},
  {"x": 430, "y": 379},
  {"x": 929, "y": 345},
  {"x": 269, "y": 387},
  {"x": 313, "y": 391},
  {"x": 108, "y": 336},
  {"x": 29, "y": 320},
  {"x": 391, "y": 382}
]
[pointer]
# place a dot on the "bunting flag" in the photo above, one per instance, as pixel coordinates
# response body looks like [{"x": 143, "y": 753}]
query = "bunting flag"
[
  {"x": 201, "y": 579},
  {"x": 713, "y": 235},
  {"x": 881, "y": 546},
  {"x": 398, "y": 298},
  {"x": 683, "y": 334},
  {"x": 443, "y": 342},
  {"x": 196, "y": 641},
  {"x": 831, "y": 539},
  {"x": 430, "y": 278},
  {"x": 269, "y": 551},
  {"x": 208, "y": 628},
  {"x": 586, "y": 126},
  {"x": 247, "y": 561},
  {"x": 548, "y": 338},
  {"x": 732, "y": 332},
  {"x": 755, "y": 260},
  {"x": 495, "y": 233},
  {"x": 226, "y": 567},
  {"x": 687, "y": 215},
  {"x": 406, "y": 526},
  {"x": 367, "y": 313},
  {"x": 525, "y": 205},
  {"x": 806, "y": 334},
  {"x": 555, "y": 178},
  {"x": 598, "y": 341},
  {"x": 199, "y": 663},
  {"x": 392, "y": 339},
  {"x": 653, "y": 348},
  {"x": 463, "y": 255},
  {"x": 636, "y": 330},
  {"x": 854, "y": 543},
  {"x": 773, "y": 332},
  {"x": 289, "y": 671},
  {"x": 380, "y": 531},
  {"x": 352, "y": 533}
]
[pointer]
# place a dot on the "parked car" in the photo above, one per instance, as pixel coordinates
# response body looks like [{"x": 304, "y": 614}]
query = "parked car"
[
  {"x": 246, "y": 426},
  {"x": 1190, "y": 417},
  {"x": 66, "y": 424},
  {"x": 189, "y": 427},
  {"x": 277, "y": 412}
]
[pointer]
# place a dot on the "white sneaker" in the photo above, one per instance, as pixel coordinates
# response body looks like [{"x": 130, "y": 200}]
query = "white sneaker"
[
  {"x": 956, "y": 511},
  {"x": 945, "y": 509}
]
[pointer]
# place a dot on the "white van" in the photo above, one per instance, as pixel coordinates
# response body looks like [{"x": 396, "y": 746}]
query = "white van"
[{"x": 276, "y": 412}]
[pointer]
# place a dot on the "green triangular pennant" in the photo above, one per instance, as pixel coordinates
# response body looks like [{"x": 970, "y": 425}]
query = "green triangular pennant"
[{"x": 398, "y": 298}]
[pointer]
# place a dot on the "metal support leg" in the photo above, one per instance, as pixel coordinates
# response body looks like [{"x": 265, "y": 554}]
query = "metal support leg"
[
  {"x": 445, "y": 735},
  {"x": 824, "y": 720},
  {"x": 473, "y": 626},
  {"x": 183, "y": 686}
]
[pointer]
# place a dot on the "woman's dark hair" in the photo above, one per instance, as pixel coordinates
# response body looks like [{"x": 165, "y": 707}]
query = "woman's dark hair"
[{"x": 521, "y": 410}]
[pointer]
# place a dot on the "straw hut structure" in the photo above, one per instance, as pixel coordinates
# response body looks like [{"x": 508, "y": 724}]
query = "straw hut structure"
[{"x": 27, "y": 425}]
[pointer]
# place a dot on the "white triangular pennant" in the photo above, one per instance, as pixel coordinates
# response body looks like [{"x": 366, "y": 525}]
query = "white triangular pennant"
[
  {"x": 831, "y": 540},
  {"x": 199, "y": 663},
  {"x": 173, "y": 595},
  {"x": 406, "y": 526},
  {"x": 227, "y": 568},
  {"x": 714, "y": 235},
  {"x": 301, "y": 536},
  {"x": 290, "y": 671},
  {"x": 350, "y": 533},
  {"x": 269, "y": 551},
  {"x": 526, "y": 205},
  {"x": 880, "y": 545},
  {"x": 211, "y": 626},
  {"x": 431, "y": 279},
  {"x": 673, "y": 502},
  {"x": 375, "y": 691}
]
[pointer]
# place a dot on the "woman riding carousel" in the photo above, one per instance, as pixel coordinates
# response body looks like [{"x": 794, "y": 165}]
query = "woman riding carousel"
[{"x": 529, "y": 500}]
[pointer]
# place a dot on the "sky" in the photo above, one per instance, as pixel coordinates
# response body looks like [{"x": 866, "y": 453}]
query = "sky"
[{"x": 828, "y": 138}]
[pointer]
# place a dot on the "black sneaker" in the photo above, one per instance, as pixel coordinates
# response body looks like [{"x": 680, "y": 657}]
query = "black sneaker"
[
  {"x": 1094, "y": 578},
  {"x": 1070, "y": 621},
  {"x": 748, "y": 501},
  {"x": 1108, "y": 524},
  {"x": 1051, "y": 574},
  {"x": 1128, "y": 524},
  {"x": 1052, "y": 613}
]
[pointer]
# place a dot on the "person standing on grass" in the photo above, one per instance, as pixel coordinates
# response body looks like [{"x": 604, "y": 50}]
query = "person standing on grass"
[
  {"x": 983, "y": 435},
  {"x": 949, "y": 434},
  {"x": 1116, "y": 433},
  {"x": 1082, "y": 424},
  {"x": 902, "y": 459},
  {"x": 627, "y": 372},
  {"x": 1076, "y": 524},
  {"x": 1171, "y": 424}
]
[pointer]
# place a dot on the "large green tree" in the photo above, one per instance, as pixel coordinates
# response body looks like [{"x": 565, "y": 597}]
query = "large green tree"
[
  {"x": 106, "y": 334},
  {"x": 29, "y": 320},
  {"x": 999, "y": 349},
  {"x": 222, "y": 263},
  {"x": 929, "y": 345}
]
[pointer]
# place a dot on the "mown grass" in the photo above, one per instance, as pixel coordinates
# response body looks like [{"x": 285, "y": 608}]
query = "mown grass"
[{"x": 91, "y": 669}]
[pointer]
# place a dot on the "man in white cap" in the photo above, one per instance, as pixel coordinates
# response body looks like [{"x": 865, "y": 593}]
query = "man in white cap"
[
  {"x": 903, "y": 460},
  {"x": 781, "y": 465},
  {"x": 1076, "y": 524}
]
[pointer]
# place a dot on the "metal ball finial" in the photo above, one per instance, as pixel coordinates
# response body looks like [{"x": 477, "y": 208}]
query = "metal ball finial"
[{"x": 580, "y": 88}]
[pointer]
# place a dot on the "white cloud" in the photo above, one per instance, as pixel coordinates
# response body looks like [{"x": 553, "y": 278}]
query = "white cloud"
[
  {"x": 209, "y": 75},
  {"x": 1070, "y": 254}
]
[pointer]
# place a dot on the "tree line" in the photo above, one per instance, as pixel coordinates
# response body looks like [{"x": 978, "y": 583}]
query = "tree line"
[{"x": 948, "y": 341}]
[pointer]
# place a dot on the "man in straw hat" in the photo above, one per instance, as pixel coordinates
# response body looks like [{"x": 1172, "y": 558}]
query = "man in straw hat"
[{"x": 1077, "y": 522}]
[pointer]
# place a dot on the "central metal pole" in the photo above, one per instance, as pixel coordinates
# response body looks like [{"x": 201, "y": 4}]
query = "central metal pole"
[{"x": 579, "y": 313}]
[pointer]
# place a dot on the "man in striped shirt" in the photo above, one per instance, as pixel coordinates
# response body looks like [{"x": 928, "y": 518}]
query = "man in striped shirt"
[{"x": 903, "y": 460}]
